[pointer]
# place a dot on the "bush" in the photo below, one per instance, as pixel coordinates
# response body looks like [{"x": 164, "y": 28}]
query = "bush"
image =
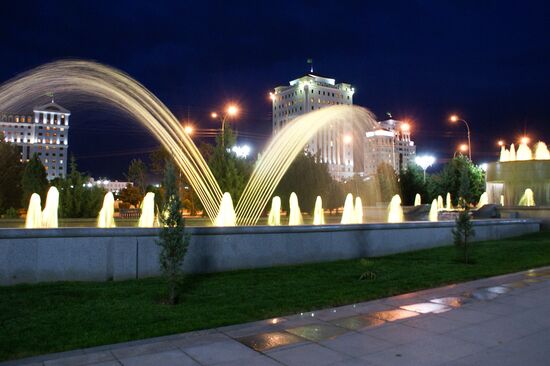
[{"x": 11, "y": 213}]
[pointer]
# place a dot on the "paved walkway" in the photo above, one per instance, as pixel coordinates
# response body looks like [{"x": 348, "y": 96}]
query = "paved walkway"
[{"x": 501, "y": 321}]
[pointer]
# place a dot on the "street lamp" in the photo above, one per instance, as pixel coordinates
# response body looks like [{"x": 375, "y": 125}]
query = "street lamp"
[
  {"x": 188, "y": 129},
  {"x": 462, "y": 148},
  {"x": 230, "y": 111},
  {"x": 455, "y": 118},
  {"x": 424, "y": 161}
]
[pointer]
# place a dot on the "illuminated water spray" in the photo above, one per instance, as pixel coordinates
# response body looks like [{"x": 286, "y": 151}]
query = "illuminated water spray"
[
  {"x": 49, "y": 215},
  {"x": 274, "y": 217},
  {"x": 226, "y": 214},
  {"x": 85, "y": 81},
  {"x": 295, "y": 215},
  {"x": 148, "y": 217},
  {"x": 283, "y": 148},
  {"x": 34, "y": 213},
  {"x": 395, "y": 211},
  {"x": 432, "y": 216},
  {"x": 318, "y": 212},
  {"x": 106, "y": 217}
]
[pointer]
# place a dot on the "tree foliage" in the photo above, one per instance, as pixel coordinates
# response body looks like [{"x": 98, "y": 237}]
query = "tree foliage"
[
  {"x": 231, "y": 172},
  {"x": 387, "y": 181},
  {"x": 173, "y": 240},
  {"x": 308, "y": 179},
  {"x": 462, "y": 234},
  {"x": 137, "y": 174},
  {"x": 11, "y": 170},
  {"x": 461, "y": 178},
  {"x": 76, "y": 199},
  {"x": 411, "y": 182},
  {"x": 131, "y": 195},
  {"x": 34, "y": 180}
]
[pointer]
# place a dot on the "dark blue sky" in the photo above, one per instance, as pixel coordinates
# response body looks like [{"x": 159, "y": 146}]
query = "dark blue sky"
[{"x": 487, "y": 60}]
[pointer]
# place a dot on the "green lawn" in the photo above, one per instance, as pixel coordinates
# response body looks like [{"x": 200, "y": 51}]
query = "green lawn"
[{"x": 37, "y": 319}]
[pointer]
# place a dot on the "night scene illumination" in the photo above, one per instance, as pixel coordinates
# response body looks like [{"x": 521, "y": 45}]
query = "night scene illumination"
[{"x": 254, "y": 180}]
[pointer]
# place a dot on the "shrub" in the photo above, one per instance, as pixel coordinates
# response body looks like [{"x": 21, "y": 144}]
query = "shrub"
[{"x": 462, "y": 233}]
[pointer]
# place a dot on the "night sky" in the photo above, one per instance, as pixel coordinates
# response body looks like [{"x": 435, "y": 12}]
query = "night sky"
[{"x": 420, "y": 60}]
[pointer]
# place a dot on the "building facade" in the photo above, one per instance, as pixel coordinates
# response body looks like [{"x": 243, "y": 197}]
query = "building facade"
[
  {"x": 390, "y": 143},
  {"x": 45, "y": 133},
  {"x": 332, "y": 145},
  {"x": 109, "y": 185}
]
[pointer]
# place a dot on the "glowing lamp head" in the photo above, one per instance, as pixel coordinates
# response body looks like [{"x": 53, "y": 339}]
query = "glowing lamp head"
[
  {"x": 463, "y": 147},
  {"x": 424, "y": 161},
  {"x": 188, "y": 130},
  {"x": 232, "y": 110},
  {"x": 454, "y": 118},
  {"x": 214, "y": 115},
  {"x": 272, "y": 96},
  {"x": 405, "y": 127},
  {"x": 500, "y": 143},
  {"x": 347, "y": 139},
  {"x": 483, "y": 166},
  {"x": 525, "y": 140}
]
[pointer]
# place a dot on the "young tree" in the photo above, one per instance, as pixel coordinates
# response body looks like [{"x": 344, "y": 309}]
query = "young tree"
[
  {"x": 462, "y": 234},
  {"x": 173, "y": 240},
  {"x": 137, "y": 174},
  {"x": 131, "y": 195},
  {"x": 11, "y": 170},
  {"x": 34, "y": 180}
]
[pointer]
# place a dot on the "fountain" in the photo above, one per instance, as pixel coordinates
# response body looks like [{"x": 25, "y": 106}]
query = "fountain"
[
  {"x": 395, "y": 211},
  {"x": 518, "y": 170},
  {"x": 226, "y": 215},
  {"x": 358, "y": 211},
  {"x": 417, "y": 200},
  {"x": 49, "y": 215},
  {"x": 148, "y": 217},
  {"x": 483, "y": 200},
  {"x": 527, "y": 199},
  {"x": 348, "y": 214},
  {"x": 433, "y": 215},
  {"x": 524, "y": 152},
  {"x": 541, "y": 151},
  {"x": 440, "y": 205},
  {"x": 34, "y": 213},
  {"x": 448, "y": 204},
  {"x": 274, "y": 218},
  {"x": 106, "y": 218},
  {"x": 318, "y": 213},
  {"x": 295, "y": 216}
]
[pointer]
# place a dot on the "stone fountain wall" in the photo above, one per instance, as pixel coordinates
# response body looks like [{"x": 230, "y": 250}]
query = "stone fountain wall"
[{"x": 90, "y": 254}]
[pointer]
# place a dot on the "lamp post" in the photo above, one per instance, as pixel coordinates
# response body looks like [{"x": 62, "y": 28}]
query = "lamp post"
[
  {"x": 424, "y": 161},
  {"x": 455, "y": 118},
  {"x": 230, "y": 111}
]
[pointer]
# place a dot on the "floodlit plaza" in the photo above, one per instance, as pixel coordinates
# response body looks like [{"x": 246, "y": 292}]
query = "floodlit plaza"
[{"x": 168, "y": 197}]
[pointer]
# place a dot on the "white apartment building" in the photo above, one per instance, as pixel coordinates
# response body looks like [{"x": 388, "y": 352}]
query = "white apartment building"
[
  {"x": 45, "y": 133},
  {"x": 390, "y": 143},
  {"x": 333, "y": 145},
  {"x": 109, "y": 185}
]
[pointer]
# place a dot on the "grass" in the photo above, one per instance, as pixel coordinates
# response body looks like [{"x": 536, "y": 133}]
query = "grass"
[{"x": 44, "y": 318}]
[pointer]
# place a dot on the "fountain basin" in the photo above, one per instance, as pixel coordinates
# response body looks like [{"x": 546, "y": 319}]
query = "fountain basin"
[
  {"x": 512, "y": 178},
  {"x": 93, "y": 254}
]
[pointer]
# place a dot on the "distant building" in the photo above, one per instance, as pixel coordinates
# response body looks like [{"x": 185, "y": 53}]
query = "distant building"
[
  {"x": 334, "y": 146},
  {"x": 109, "y": 185},
  {"x": 390, "y": 143},
  {"x": 45, "y": 133}
]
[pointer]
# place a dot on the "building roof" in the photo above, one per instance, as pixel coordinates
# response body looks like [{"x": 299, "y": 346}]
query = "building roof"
[{"x": 52, "y": 107}]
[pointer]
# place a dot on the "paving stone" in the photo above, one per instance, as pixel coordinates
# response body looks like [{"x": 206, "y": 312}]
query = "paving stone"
[
  {"x": 434, "y": 324},
  {"x": 431, "y": 350},
  {"x": 219, "y": 352},
  {"x": 167, "y": 358},
  {"x": 307, "y": 355},
  {"x": 317, "y": 332},
  {"x": 358, "y": 322},
  {"x": 467, "y": 316},
  {"x": 397, "y": 333},
  {"x": 252, "y": 361},
  {"x": 265, "y": 341},
  {"x": 84, "y": 359},
  {"x": 356, "y": 344},
  {"x": 142, "y": 349}
]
